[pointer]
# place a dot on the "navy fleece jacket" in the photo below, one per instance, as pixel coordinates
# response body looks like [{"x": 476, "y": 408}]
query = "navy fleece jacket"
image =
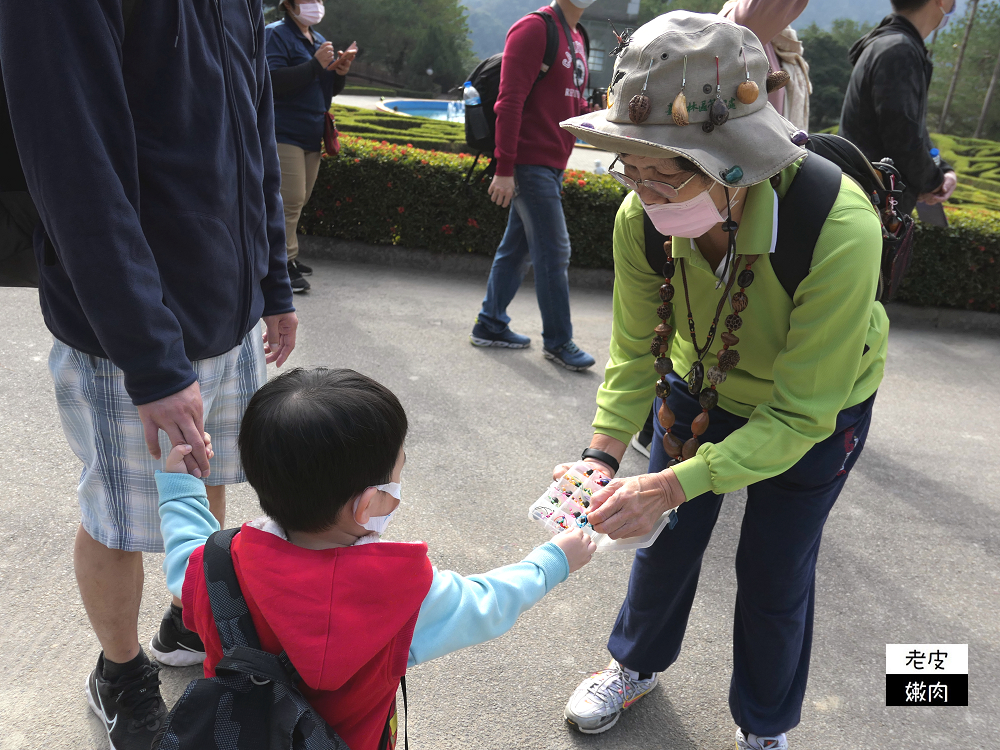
[{"x": 152, "y": 161}]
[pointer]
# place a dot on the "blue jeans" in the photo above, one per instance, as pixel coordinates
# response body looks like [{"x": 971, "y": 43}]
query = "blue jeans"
[
  {"x": 536, "y": 233},
  {"x": 775, "y": 569}
]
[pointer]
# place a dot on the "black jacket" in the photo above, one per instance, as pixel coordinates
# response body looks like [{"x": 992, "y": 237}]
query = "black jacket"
[
  {"x": 885, "y": 109},
  {"x": 151, "y": 158}
]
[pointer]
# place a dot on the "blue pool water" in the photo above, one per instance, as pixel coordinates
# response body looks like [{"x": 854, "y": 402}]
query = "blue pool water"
[{"x": 434, "y": 109}]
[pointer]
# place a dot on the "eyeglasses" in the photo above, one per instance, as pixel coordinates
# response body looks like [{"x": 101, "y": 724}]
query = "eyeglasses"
[{"x": 660, "y": 188}]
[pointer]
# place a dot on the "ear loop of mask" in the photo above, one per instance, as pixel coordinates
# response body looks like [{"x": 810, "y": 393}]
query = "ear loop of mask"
[{"x": 730, "y": 227}]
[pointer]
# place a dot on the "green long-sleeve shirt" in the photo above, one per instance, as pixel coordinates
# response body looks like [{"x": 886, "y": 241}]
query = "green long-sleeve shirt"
[{"x": 801, "y": 361}]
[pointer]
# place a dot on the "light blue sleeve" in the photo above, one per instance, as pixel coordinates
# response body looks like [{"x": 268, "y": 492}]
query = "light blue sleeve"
[
  {"x": 185, "y": 522},
  {"x": 459, "y": 611}
]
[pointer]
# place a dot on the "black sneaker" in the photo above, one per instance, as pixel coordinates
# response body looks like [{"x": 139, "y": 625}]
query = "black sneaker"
[
  {"x": 301, "y": 267},
  {"x": 299, "y": 284},
  {"x": 130, "y": 707},
  {"x": 175, "y": 645}
]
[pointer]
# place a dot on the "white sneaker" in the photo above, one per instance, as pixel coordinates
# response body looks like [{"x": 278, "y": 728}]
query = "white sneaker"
[
  {"x": 637, "y": 444},
  {"x": 599, "y": 700},
  {"x": 756, "y": 742}
]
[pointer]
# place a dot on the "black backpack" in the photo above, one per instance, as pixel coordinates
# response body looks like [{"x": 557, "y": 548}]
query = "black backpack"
[
  {"x": 18, "y": 214},
  {"x": 486, "y": 79},
  {"x": 806, "y": 204},
  {"x": 252, "y": 703}
]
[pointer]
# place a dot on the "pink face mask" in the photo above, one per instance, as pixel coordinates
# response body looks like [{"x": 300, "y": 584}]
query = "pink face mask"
[
  {"x": 690, "y": 218},
  {"x": 309, "y": 13}
]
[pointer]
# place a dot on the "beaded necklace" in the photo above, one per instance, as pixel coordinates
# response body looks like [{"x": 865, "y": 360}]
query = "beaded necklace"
[{"x": 680, "y": 450}]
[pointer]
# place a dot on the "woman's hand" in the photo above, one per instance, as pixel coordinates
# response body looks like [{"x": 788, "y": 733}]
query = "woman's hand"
[
  {"x": 344, "y": 61},
  {"x": 325, "y": 54},
  {"x": 631, "y": 506}
]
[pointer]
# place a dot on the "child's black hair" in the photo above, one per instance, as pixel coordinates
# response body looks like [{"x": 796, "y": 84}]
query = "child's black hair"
[{"x": 311, "y": 440}]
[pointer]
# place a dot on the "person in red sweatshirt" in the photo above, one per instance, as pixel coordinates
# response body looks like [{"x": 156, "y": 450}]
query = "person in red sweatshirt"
[
  {"x": 531, "y": 154},
  {"x": 324, "y": 451}
]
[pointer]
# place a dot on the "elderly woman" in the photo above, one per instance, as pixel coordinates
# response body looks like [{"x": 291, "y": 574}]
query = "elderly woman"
[{"x": 755, "y": 387}]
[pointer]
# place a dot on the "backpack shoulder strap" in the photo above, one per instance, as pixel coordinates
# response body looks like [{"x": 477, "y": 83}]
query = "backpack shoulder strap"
[
  {"x": 551, "y": 42},
  {"x": 586, "y": 38},
  {"x": 801, "y": 215},
  {"x": 656, "y": 254},
  {"x": 229, "y": 608}
]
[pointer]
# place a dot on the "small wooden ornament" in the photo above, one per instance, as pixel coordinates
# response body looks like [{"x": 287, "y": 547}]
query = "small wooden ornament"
[
  {"x": 679, "y": 111},
  {"x": 638, "y": 108},
  {"x": 747, "y": 92},
  {"x": 776, "y": 79},
  {"x": 666, "y": 416},
  {"x": 718, "y": 112}
]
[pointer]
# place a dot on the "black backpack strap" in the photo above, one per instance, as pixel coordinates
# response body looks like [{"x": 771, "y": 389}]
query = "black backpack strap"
[
  {"x": 655, "y": 252},
  {"x": 551, "y": 42},
  {"x": 801, "y": 215}
]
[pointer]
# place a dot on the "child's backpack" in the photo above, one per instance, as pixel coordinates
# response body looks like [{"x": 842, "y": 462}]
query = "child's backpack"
[
  {"x": 486, "y": 79},
  {"x": 252, "y": 703},
  {"x": 806, "y": 204}
]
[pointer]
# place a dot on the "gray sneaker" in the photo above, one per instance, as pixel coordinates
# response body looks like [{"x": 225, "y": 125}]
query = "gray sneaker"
[
  {"x": 756, "y": 742},
  {"x": 597, "y": 703}
]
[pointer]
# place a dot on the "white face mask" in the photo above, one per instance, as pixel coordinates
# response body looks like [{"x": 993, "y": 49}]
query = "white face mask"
[
  {"x": 378, "y": 524},
  {"x": 582, "y": 3},
  {"x": 309, "y": 14},
  {"x": 946, "y": 16},
  {"x": 690, "y": 218}
]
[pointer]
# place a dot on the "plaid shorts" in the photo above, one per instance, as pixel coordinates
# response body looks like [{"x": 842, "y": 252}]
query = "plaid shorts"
[{"x": 117, "y": 492}]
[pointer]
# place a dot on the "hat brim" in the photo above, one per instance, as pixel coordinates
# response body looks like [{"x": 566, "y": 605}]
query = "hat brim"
[{"x": 759, "y": 143}]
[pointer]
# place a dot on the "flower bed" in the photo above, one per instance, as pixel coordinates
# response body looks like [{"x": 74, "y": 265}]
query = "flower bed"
[{"x": 386, "y": 193}]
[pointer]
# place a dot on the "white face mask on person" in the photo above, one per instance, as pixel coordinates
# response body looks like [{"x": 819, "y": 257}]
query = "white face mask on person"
[
  {"x": 947, "y": 16},
  {"x": 378, "y": 524},
  {"x": 690, "y": 218},
  {"x": 582, "y": 3},
  {"x": 309, "y": 14}
]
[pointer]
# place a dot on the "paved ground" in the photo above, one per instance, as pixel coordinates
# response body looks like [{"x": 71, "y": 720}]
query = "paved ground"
[{"x": 910, "y": 555}]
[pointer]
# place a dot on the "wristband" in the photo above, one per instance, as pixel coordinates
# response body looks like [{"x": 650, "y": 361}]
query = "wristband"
[{"x": 604, "y": 458}]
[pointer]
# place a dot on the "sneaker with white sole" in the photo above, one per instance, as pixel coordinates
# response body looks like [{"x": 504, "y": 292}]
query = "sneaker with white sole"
[
  {"x": 756, "y": 742},
  {"x": 641, "y": 443},
  {"x": 130, "y": 707},
  {"x": 175, "y": 645},
  {"x": 597, "y": 703},
  {"x": 570, "y": 356},
  {"x": 506, "y": 339}
]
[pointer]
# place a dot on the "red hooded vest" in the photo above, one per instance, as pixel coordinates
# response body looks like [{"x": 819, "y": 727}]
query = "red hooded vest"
[{"x": 344, "y": 616}]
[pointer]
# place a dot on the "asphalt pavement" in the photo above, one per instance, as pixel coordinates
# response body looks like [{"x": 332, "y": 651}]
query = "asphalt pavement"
[{"x": 910, "y": 554}]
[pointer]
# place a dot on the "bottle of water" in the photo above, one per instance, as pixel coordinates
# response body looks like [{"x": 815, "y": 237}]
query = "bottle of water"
[
  {"x": 936, "y": 156},
  {"x": 476, "y": 127}
]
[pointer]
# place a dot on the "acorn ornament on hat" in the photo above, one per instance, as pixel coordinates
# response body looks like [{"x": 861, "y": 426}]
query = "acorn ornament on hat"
[{"x": 722, "y": 71}]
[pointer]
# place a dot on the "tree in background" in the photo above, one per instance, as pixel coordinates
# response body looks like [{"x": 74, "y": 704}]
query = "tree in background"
[
  {"x": 829, "y": 68},
  {"x": 405, "y": 38},
  {"x": 974, "y": 78}
]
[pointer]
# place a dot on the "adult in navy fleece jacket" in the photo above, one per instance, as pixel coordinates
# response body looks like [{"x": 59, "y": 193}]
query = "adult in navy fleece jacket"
[{"x": 151, "y": 158}]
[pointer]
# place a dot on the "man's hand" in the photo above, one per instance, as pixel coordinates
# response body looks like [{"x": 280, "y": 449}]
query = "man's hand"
[
  {"x": 181, "y": 417},
  {"x": 502, "y": 190},
  {"x": 943, "y": 192},
  {"x": 175, "y": 459},
  {"x": 630, "y": 506},
  {"x": 279, "y": 338},
  {"x": 325, "y": 54}
]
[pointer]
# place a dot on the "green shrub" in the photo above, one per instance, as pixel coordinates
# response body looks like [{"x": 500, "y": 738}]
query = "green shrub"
[
  {"x": 384, "y": 193},
  {"x": 361, "y": 89},
  {"x": 422, "y": 132}
]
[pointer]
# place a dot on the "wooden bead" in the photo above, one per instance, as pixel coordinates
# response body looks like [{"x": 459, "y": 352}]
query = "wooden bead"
[
  {"x": 673, "y": 445},
  {"x": 708, "y": 399},
  {"x": 690, "y": 448},
  {"x": 666, "y": 416},
  {"x": 716, "y": 375},
  {"x": 667, "y": 292},
  {"x": 730, "y": 339},
  {"x": 740, "y": 302},
  {"x": 669, "y": 269},
  {"x": 658, "y": 346},
  {"x": 747, "y": 92},
  {"x": 776, "y": 79},
  {"x": 745, "y": 278},
  {"x": 638, "y": 108},
  {"x": 695, "y": 378},
  {"x": 663, "y": 330},
  {"x": 679, "y": 110},
  {"x": 733, "y": 322},
  {"x": 700, "y": 424},
  {"x": 663, "y": 366},
  {"x": 728, "y": 359},
  {"x": 663, "y": 311},
  {"x": 662, "y": 389}
]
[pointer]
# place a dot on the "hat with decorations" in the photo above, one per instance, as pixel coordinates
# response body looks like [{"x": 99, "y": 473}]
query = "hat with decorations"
[{"x": 695, "y": 85}]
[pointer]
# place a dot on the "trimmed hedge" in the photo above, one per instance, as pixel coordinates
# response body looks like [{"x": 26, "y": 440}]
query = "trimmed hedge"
[
  {"x": 421, "y": 132},
  {"x": 384, "y": 193}
]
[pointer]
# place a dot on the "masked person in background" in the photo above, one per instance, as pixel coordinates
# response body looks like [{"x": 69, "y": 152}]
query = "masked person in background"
[
  {"x": 779, "y": 390},
  {"x": 885, "y": 109},
  {"x": 306, "y": 74}
]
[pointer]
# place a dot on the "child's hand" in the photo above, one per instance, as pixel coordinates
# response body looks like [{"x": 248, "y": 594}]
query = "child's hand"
[
  {"x": 577, "y": 546},
  {"x": 175, "y": 459}
]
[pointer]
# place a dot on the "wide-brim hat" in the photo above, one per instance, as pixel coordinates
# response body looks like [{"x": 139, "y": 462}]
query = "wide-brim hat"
[{"x": 706, "y": 58}]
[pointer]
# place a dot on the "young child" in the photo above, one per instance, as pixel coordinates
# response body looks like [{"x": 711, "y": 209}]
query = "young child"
[{"x": 324, "y": 451}]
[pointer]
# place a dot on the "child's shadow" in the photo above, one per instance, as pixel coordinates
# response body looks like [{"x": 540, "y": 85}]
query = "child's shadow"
[{"x": 651, "y": 723}]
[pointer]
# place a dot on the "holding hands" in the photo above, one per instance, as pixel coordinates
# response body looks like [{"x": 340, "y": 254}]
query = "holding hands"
[{"x": 175, "y": 459}]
